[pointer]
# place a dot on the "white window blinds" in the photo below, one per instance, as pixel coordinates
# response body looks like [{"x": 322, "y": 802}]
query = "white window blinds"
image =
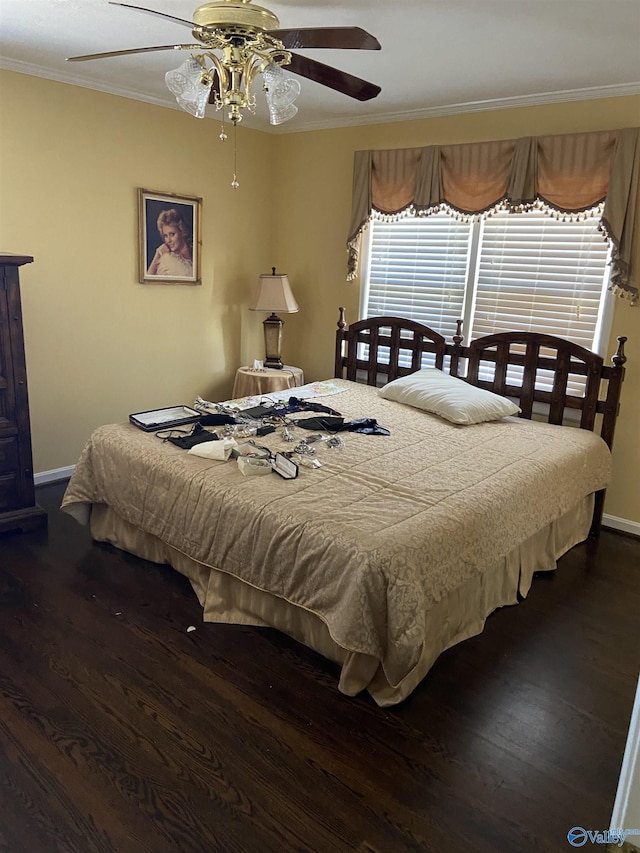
[
  {"x": 524, "y": 271},
  {"x": 418, "y": 268},
  {"x": 539, "y": 274}
]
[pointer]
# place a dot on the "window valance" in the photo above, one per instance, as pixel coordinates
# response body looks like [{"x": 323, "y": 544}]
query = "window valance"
[{"x": 566, "y": 174}]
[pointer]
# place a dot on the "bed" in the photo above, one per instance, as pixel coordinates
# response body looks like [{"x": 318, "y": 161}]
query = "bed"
[{"x": 399, "y": 546}]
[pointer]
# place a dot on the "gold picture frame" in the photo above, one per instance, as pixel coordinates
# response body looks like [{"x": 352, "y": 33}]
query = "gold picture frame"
[{"x": 169, "y": 237}]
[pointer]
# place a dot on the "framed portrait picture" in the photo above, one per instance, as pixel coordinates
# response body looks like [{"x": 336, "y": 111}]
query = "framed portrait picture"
[{"x": 169, "y": 235}]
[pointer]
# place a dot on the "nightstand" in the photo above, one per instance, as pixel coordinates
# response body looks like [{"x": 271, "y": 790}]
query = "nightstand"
[{"x": 250, "y": 382}]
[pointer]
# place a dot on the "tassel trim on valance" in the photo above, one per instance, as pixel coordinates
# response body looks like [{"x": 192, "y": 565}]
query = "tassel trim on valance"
[
  {"x": 502, "y": 205},
  {"x": 619, "y": 283},
  {"x": 565, "y": 176}
]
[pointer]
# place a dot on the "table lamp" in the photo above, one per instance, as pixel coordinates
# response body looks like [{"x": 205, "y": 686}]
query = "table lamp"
[{"x": 273, "y": 293}]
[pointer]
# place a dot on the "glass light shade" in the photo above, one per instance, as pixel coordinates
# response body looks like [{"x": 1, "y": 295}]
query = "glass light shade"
[
  {"x": 281, "y": 91},
  {"x": 278, "y": 115},
  {"x": 186, "y": 84}
]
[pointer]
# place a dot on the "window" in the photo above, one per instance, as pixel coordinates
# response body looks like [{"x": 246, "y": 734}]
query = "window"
[
  {"x": 418, "y": 268},
  {"x": 528, "y": 271}
]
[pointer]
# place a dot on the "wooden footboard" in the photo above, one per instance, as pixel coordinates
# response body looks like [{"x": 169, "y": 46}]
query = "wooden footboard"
[{"x": 519, "y": 365}]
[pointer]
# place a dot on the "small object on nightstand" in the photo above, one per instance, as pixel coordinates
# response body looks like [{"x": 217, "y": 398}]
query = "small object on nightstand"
[{"x": 249, "y": 382}]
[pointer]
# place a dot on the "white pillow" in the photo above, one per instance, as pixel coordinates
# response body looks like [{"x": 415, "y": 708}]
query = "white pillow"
[{"x": 451, "y": 398}]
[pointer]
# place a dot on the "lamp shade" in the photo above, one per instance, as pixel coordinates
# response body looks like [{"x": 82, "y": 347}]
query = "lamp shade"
[{"x": 273, "y": 293}]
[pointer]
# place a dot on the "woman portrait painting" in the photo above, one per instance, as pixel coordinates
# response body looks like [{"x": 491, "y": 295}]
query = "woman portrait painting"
[
  {"x": 174, "y": 256},
  {"x": 169, "y": 238}
]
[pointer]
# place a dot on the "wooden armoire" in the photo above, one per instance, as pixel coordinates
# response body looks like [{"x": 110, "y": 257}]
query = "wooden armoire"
[{"x": 18, "y": 509}]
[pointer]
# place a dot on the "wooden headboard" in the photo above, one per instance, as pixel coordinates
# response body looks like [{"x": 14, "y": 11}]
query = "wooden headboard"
[{"x": 380, "y": 349}]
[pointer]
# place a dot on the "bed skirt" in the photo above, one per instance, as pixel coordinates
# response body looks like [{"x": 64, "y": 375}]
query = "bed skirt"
[{"x": 456, "y": 617}]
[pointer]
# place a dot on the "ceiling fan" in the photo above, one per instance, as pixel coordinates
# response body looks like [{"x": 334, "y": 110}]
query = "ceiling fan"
[{"x": 239, "y": 41}]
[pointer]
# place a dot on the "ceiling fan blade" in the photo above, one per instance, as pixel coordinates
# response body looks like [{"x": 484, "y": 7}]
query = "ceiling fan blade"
[
  {"x": 349, "y": 38},
  {"x": 189, "y": 24},
  {"x": 133, "y": 50},
  {"x": 349, "y": 85}
]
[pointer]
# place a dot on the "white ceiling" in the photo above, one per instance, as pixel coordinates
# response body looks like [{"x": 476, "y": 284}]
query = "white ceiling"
[{"x": 437, "y": 57}]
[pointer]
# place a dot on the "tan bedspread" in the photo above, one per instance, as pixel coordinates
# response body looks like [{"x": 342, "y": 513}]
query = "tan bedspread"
[{"x": 370, "y": 541}]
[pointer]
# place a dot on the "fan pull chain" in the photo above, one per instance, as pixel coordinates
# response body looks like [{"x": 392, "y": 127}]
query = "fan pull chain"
[{"x": 234, "y": 182}]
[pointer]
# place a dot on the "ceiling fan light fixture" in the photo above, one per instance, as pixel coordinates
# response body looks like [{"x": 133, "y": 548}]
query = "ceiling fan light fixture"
[
  {"x": 240, "y": 40},
  {"x": 278, "y": 115},
  {"x": 281, "y": 91},
  {"x": 279, "y": 88},
  {"x": 191, "y": 86}
]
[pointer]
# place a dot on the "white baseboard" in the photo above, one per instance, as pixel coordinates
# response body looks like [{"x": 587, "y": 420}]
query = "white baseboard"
[
  {"x": 622, "y": 524},
  {"x": 53, "y": 476}
]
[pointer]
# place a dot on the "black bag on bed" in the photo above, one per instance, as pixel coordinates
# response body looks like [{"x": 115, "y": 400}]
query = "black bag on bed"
[
  {"x": 366, "y": 426},
  {"x": 197, "y": 436}
]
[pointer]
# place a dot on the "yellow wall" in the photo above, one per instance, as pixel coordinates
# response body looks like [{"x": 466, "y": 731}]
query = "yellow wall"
[
  {"x": 100, "y": 345},
  {"x": 314, "y": 171}
]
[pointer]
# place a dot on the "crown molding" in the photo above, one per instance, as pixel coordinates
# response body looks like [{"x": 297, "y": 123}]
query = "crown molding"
[
  {"x": 593, "y": 93},
  {"x": 540, "y": 98},
  {"x": 74, "y": 80}
]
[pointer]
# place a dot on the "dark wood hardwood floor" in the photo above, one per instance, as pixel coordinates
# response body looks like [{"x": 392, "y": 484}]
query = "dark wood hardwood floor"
[{"x": 122, "y": 732}]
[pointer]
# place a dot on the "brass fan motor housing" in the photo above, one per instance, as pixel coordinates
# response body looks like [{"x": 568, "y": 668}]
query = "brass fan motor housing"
[{"x": 235, "y": 13}]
